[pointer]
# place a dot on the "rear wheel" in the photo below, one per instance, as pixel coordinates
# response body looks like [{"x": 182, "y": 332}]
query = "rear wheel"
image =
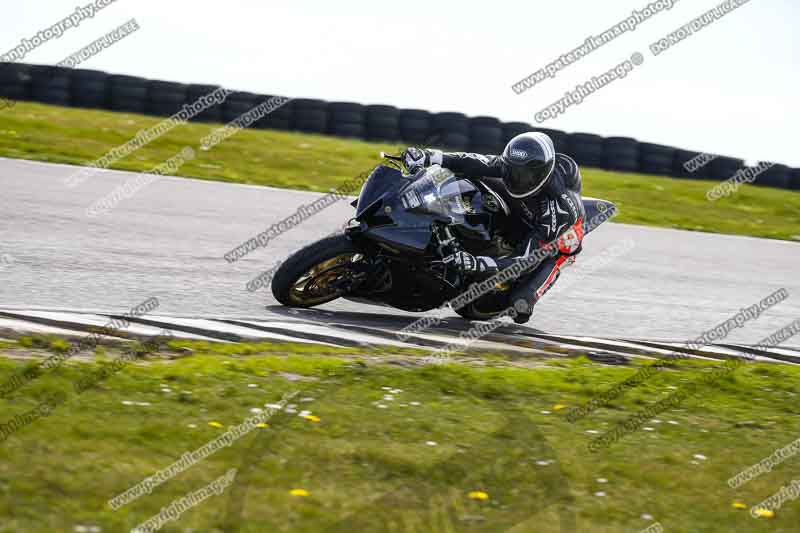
[{"x": 316, "y": 274}]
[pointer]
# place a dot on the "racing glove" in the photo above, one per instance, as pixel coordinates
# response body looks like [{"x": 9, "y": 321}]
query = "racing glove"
[
  {"x": 418, "y": 158},
  {"x": 470, "y": 264}
]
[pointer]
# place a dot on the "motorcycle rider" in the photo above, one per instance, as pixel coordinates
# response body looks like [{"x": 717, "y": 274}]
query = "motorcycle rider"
[{"x": 542, "y": 190}]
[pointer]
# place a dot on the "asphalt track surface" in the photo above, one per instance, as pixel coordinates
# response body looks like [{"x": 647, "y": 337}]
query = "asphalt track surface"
[{"x": 169, "y": 240}]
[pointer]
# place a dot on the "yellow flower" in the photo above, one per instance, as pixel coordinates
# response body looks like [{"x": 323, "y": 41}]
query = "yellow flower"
[
  {"x": 478, "y": 495},
  {"x": 312, "y": 418},
  {"x": 559, "y": 406},
  {"x": 764, "y": 513},
  {"x": 215, "y": 424},
  {"x": 299, "y": 492},
  {"x": 262, "y": 425},
  {"x": 739, "y": 505}
]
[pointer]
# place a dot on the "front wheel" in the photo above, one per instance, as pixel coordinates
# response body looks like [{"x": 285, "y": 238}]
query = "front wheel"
[{"x": 316, "y": 274}]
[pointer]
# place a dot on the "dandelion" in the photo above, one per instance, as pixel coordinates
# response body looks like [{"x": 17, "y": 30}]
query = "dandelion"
[
  {"x": 478, "y": 495},
  {"x": 262, "y": 425},
  {"x": 215, "y": 424},
  {"x": 312, "y": 418},
  {"x": 299, "y": 492},
  {"x": 559, "y": 406},
  {"x": 739, "y": 505}
]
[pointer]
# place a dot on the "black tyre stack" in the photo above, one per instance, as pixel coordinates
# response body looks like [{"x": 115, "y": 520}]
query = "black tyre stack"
[
  {"x": 15, "y": 81},
  {"x": 794, "y": 179},
  {"x": 679, "y": 169},
  {"x": 415, "y": 126},
  {"x": 128, "y": 94},
  {"x": 656, "y": 159},
  {"x": 777, "y": 176},
  {"x": 621, "y": 154},
  {"x": 50, "y": 85},
  {"x": 347, "y": 120},
  {"x": 450, "y": 131},
  {"x": 213, "y": 113},
  {"x": 89, "y": 89},
  {"x": 512, "y": 129},
  {"x": 280, "y": 118},
  {"x": 382, "y": 123},
  {"x": 165, "y": 98},
  {"x": 310, "y": 116},
  {"x": 486, "y": 135},
  {"x": 586, "y": 149},
  {"x": 722, "y": 168},
  {"x": 237, "y": 104}
]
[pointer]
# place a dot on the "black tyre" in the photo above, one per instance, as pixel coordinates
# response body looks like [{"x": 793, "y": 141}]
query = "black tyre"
[
  {"x": 656, "y": 159},
  {"x": 15, "y": 92},
  {"x": 90, "y": 89},
  {"x": 452, "y": 123},
  {"x": 312, "y": 275},
  {"x": 586, "y": 149},
  {"x": 794, "y": 179},
  {"x": 128, "y": 93},
  {"x": 15, "y": 73},
  {"x": 512, "y": 129},
  {"x": 679, "y": 163},
  {"x": 211, "y": 114},
  {"x": 777, "y": 176},
  {"x": 621, "y": 153},
  {"x": 415, "y": 126},
  {"x": 723, "y": 168}
]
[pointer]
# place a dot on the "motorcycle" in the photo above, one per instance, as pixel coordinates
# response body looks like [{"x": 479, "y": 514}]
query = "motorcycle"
[{"x": 391, "y": 253}]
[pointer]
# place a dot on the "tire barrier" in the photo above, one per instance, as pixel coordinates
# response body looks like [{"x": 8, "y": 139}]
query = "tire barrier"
[
  {"x": 415, "y": 126},
  {"x": 621, "y": 154},
  {"x": 128, "y": 94},
  {"x": 778, "y": 176},
  {"x": 512, "y": 129},
  {"x": 89, "y": 89},
  {"x": 196, "y": 91},
  {"x": 310, "y": 116},
  {"x": 794, "y": 179},
  {"x": 723, "y": 168},
  {"x": 50, "y": 85},
  {"x": 165, "y": 98},
  {"x": 15, "y": 81},
  {"x": 656, "y": 159},
  {"x": 680, "y": 171},
  {"x": 586, "y": 149},
  {"x": 486, "y": 136},
  {"x": 346, "y": 120},
  {"x": 380, "y": 123}
]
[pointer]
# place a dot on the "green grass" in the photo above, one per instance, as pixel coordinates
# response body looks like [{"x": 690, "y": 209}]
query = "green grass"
[
  {"x": 318, "y": 163},
  {"x": 370, "y": 469}
]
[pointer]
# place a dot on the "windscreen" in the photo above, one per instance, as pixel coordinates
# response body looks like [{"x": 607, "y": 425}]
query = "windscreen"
[{"x": 439, "y": 192}]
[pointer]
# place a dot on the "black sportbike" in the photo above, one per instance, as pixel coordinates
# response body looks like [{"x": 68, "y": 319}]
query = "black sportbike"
[{"x": 392, "y": 252}]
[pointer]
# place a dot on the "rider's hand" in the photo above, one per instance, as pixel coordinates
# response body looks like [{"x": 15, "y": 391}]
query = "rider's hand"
[
  {"x": 415, "y": 159},
  {"x": 469, "y": 264}
]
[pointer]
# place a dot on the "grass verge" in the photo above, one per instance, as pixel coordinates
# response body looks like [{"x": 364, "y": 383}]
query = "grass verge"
[
  {"x": 318, "y": 163},
  {"x": 393, "y": 447}
]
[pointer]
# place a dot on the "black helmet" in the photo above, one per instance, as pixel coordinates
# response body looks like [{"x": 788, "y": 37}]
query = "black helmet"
[{"x": 530, "y": 158}]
